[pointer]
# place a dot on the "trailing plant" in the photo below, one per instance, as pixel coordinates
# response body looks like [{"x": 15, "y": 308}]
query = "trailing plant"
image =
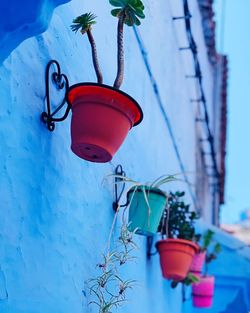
[
  {"x": 208, "y": 246},
  {"x": 189, "y": 280},
  {"x": 211, "y": 248},
  {"x": 145, "y": 187},
  {"x": 178, "y": 220},
  {"x": 108, "y": 290},
  {"x": 128, "y": 12},
  {"x": 207, "y": 239}
]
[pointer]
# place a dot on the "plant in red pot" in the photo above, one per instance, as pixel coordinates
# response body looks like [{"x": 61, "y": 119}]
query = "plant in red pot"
[
  {"x": 203, "y": 291},
  {"x": 102, "y": 115},
  {"x": 177, "y": 248},
  {"x": 198, "y": 261}
]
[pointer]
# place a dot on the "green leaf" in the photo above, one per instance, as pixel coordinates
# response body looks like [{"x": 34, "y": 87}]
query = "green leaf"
[
  {"x": 83, "y": 22},
  {"x": 217, "y": 248},
  {"x": 131, "y": 10},
  {"x": 117, "y": 3},
  {"x": 116, "y": 12},
  {"x": 207, "y": 239},
  {"x": 193, "y": 278}
]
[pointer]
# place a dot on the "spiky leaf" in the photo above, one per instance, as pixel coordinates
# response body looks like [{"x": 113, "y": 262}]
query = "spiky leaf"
[{"x": 83, "y": 22}]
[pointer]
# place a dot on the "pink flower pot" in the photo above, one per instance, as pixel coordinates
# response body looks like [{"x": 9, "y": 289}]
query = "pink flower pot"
[
  {"x": 197, "y": 263},
  {"x": 203, "y": 292}
]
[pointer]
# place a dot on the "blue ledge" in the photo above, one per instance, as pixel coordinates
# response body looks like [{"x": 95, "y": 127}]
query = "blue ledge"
[
  {"x": 23, "y": 19},
  {"x": 232, "y": 272}
]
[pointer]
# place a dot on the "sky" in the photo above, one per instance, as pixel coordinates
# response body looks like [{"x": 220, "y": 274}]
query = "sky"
[{"x": 233, "y": 39}]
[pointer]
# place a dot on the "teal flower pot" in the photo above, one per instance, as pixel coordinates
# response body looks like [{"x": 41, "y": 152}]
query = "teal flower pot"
[{"x": 142, "y": 219}]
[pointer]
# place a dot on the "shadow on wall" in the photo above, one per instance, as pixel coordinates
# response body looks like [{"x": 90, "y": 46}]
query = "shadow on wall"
[
  {"x": 23, "y": 19},
  {"x": 238, "y": 304}
]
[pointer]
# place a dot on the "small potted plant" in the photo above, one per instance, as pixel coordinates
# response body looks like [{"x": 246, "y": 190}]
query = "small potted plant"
[
  {"x": 102, "y": 115},
  {"x": 203, "y": 290},
  {"x": 177, "y": 248},
  {"x": 187, "y": 281},
  {"x": 199, "y": 258},
  {"x": 146, "y": 203}
]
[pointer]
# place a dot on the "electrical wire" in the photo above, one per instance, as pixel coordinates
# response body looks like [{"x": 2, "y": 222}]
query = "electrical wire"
[
  {"x": 198, "y": 75},
  {"x": 160, "y": 103}
]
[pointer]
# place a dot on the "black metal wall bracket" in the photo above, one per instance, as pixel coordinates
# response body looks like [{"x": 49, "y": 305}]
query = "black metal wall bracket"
[
  {"x": 185, "y": 17},
  {"x": 150, "y": 241},
  {"x": 118, "y": 181},
  {"x": 61, "y": 83}
]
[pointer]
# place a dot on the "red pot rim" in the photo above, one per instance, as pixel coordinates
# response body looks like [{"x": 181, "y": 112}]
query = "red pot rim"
[
  {"x": 182, "y": 241},
  {"x": 132, "y": 103}
]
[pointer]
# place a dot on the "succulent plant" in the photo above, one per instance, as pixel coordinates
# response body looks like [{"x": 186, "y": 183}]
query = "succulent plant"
[
  {"x": 128, "y": 12},
  {"x": 83, "y": 23}
]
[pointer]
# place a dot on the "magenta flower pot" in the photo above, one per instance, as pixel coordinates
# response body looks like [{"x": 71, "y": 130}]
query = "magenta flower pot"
[
  {"x": 197, "y": 263},
  {"x": 203, "y": 292}
]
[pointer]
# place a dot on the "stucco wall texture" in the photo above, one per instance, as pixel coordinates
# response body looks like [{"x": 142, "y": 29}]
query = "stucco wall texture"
[
  {"x": 23, "y": 19},
  {"x": 55, "y": 210}
]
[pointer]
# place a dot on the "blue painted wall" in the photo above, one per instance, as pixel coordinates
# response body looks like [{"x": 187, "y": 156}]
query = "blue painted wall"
[
  {"x": 23, "y": 19},
  {"x": 232, "y": 276},
  {"x": 55, "y": 212}
]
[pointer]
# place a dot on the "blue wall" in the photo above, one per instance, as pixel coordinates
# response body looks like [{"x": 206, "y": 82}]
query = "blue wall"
[
  {"x": 232, "y": 276},
  {"x": 55, "y": 212},
  {"x": 23, "y": 19}
]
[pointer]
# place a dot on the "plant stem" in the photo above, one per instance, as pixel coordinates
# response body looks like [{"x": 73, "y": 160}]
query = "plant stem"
[
  {"x": 206, "y": 268},
  {"x": 120, "y": 54},
  {"x": 95, "y": 57},
  {"x": 112, "y": 229},
  {"x": 167, "y": 221}
]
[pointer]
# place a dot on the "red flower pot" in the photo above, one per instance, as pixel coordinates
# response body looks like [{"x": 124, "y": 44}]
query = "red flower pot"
[
  {"x": 175, "y": 257},
  {"x": 101, "y": 119},
  {"x": 203, "y": 292},
  {"x": 197, "y": 263}
]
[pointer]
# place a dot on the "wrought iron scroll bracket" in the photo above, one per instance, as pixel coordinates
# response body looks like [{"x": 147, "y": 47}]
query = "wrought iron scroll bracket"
[
  {"x": 61, "y": 82},
  {"x": 183, "y": 291},
  {"x": 119, "y": 184}
]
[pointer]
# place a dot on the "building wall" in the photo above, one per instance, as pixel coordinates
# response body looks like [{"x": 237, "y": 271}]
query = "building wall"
[
  {"x": 32, "y": 19},
  {"x": 232, "y": 275},
  {"x": 56, "y": 212}
]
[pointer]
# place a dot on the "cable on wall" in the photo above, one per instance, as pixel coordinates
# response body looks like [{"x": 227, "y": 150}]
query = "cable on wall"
[
  {"x": 202, "y": 100},
  {"x": 160, "y": 103}
]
